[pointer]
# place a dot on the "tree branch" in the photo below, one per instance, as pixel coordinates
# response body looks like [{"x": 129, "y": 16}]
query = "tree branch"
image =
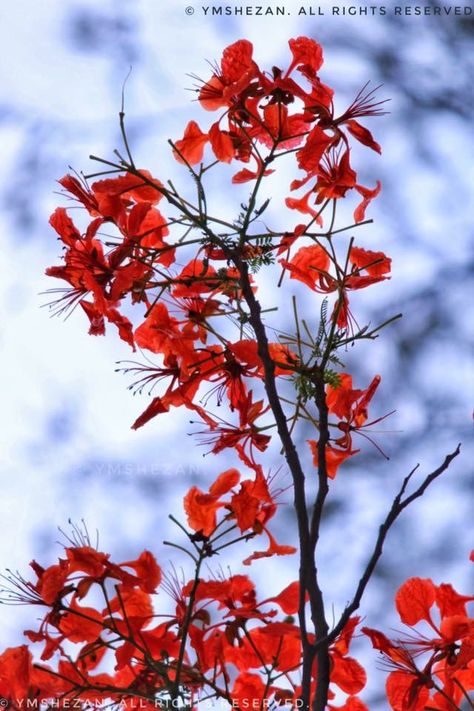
[{"x": 399, "y": 504}]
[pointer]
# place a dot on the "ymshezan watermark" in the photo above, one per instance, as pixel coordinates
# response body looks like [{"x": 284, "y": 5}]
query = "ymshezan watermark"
[
  {"x": 405, "y": 10},
  {"x": 132, "y": 470},
  {"x": 128, "y": 704}
]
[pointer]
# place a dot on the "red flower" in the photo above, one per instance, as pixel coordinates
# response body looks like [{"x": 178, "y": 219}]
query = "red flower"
[
  {"x": 316, "y": 145},
  {"x": 161, "y": 333},
  {"x": 237, "y": 69},
  {"x": 288, "y": 599},
  {"x": 147, "y": 571},
  {"x": 306, "y": 53},
  {"x": 348, "y": 404},
  {"x": 81, "y": 624},
  {"x": 248, "y": 691},
  {"x": 128, "y": 187},
  {"x": 351, "y": 407},
  {"x": 420, "y": 662},
  {"x": 309, "y": 265},
  {"x": 201, "y": 510},
  {"x": 222, "y": 143},
  {"x": 274, "y": 548},
  {"x": 15, "y": 673},
  {"x": 334, "y": 457},
  {"x": 376, "y": 264},
  {"x": 190, "y": 148}
]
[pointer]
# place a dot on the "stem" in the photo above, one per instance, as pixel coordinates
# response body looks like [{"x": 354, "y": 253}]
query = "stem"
[
  {"x": 319, "y": 618},
  {"x": 186, "y": 624},
  {"x": 307, "y": 570}
]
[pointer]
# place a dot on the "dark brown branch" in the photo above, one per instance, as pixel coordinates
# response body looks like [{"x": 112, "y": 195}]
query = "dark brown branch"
[
  {"x": 320, "y": 622},
  {"x": 307, "y": 570},
  {"x": 186, "y": 624},
  {"x": 399, "y": 504}
]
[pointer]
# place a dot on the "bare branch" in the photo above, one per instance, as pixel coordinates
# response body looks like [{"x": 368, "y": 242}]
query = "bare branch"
[{"x": 399, "y": 504}]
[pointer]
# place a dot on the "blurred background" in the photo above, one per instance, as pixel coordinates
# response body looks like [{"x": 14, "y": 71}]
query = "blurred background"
[{"x": 67, "y": 448}]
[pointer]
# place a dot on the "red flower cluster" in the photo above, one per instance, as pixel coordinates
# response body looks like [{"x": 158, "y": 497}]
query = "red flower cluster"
[
  {"x": 311, "y": 265},
  {"x": 182, "y": 305},
  {"x": 104, "y": 641},
  {"x": 277, "y": 111},
  {"x": 236, "y": 647},
  {"x": 129, "y": 203},
  {"x": 435, "y": 672},
  {"x": 251, "y": 507},
  {"x": 96, "y": 604},
  {"x": 350, "y": 406}
]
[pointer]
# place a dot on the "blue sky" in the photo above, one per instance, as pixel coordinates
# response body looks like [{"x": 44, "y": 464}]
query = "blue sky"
[{"x": 67, "y": 448}]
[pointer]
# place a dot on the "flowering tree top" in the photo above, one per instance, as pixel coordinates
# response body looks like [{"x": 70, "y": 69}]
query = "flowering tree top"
[{"x": 182, "y": 283}]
